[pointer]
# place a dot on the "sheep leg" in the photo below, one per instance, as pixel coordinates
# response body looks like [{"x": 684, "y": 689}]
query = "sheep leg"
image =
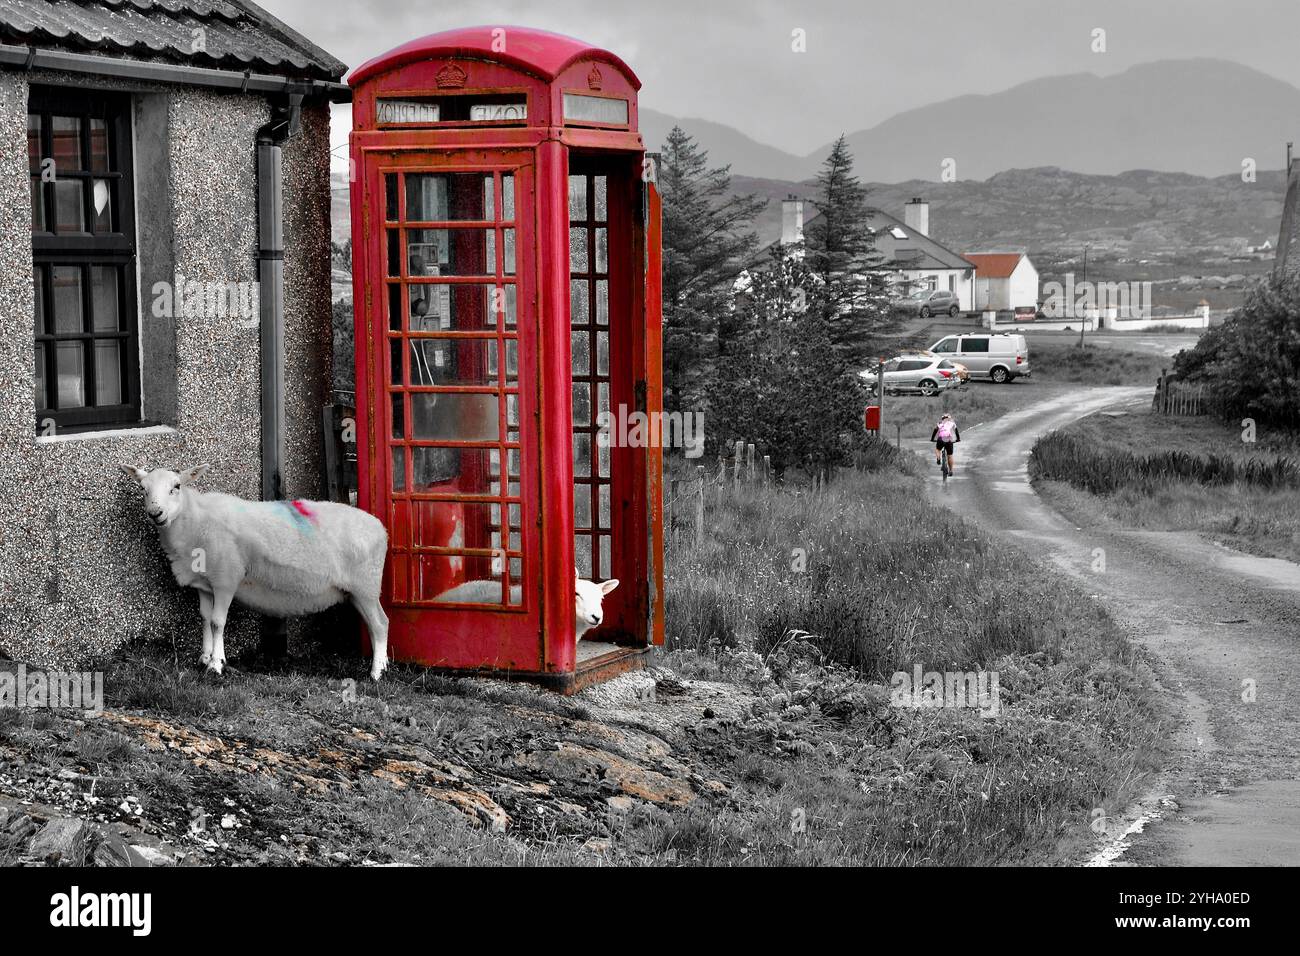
[
  {"x": 220, "y": 607},
  {"x": 205, "y": 610},
  {"x": 372, "y": 612}
]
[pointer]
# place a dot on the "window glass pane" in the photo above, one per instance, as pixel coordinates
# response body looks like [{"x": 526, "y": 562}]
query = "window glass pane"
[
  {"x": 399, "y": 468},
  {"x": 602, "y": 302},
  {"x": 38, "y": 290},
  {"x": 602, "y": 251},
  {"x": 68, "y": 194},
  {"x": 460, "y": 307},
  {"x": 606, "y": 569},
  {"x": 98, "y": 145},
  {"x": 602, "y": 353},
  {"x": 505, "y": 299},
  {"x": 67, "y": 299},
  {"x": 581, "y": 403},
  {"x": 395, "y": 361},
  {"x": 394, "y": 242},
  {"x": 448, "y": 197},
  {"x": 399, "y": 416},
  {"x": 507, "y": 197},
  {"x": 579, "y": 302},
  {"x": 71, "y": 360},
  {"x": 454, "y": 417},
  {"x": 34, "y": 143},
  {"x": 581, "y": 506},
  {"x": 582, "y": 554},
  {"x": 581, "y": 108},
  {"x": 453, "y": 361},
  {"x": 40, "y": 375},
  {"x": 67, "y": 144},
  {"x": 462, "y": 471},
  {"x": 604, "y": 505},
  {"x": 582, "y": 455},
  {"x": 580, "y": 350},
  {"x": 450, "y": 252},
  {"x": 577, "y": 198},
  {"x": 390, "y": 197},
  {"x": 578, "y": 249},
  {"x": 394, "y": 307},
  {"x": 508, "y": 239},
  {"x": 104, "y": 298},
  {"x": 601, "y": 203},
  {"x": 38, "y": 206},
  {"x": 108, "y": 372},
  {"x": 101, "y": 197},
  {"x": 457, "y": 579}
]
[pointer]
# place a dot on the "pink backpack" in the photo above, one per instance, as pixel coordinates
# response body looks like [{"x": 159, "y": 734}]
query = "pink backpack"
[{"x": 947, "y": 429}]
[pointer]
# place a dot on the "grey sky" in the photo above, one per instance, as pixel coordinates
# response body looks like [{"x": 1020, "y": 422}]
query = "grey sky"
[{"x": 732, "y": 61}]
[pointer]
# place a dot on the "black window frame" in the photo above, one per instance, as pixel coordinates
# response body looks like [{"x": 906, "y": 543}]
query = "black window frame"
[{"x": 86, "y": 249}]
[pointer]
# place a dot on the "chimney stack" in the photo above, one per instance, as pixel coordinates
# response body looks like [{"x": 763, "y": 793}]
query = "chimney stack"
[
  {"x": 917, "y": 216},
  {"x": 791, "y": 220}
]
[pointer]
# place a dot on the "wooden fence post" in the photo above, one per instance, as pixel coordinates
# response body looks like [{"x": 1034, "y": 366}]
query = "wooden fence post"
[
  {"x": 767, "y": 469},
  {"x": 699, "y": 507},
  {"x": 735, "y": 471},
  {"x": 749, "y": 463}
]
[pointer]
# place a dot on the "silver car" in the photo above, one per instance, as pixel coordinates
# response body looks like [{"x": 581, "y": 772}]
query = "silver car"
[
  {"x": 925, "y": 374},
  {"x": 930, "y": 302}
]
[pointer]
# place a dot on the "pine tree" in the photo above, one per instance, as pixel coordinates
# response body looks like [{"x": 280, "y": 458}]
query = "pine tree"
[
  {"x": 706, "y": 240},
  {"x": 842, "y": 252}
]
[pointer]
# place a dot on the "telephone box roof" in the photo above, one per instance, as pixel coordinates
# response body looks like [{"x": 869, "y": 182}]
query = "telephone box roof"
[{"x": 539, "y": 52}]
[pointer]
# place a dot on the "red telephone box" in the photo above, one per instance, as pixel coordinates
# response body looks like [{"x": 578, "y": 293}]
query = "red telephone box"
[{"x": 506, "y": 263}]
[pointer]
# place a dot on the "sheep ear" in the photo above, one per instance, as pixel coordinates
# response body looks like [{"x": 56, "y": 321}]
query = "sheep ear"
[
  {"x": 194, "y": 474},
  {"x": 577, "y": 575},
  {"x": 609, "y": 585},
  {"x": 136, "y": 473}
]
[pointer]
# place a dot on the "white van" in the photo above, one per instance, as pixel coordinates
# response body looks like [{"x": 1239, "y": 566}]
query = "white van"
[{"x": 999, "y": 358}]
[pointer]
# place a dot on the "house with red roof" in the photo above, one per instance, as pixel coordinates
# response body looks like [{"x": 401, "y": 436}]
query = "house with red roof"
[{"x": 1003, "y": 280}]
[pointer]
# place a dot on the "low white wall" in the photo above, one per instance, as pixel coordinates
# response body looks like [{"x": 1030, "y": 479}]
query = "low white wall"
[{"x": 1198, "y": 320}]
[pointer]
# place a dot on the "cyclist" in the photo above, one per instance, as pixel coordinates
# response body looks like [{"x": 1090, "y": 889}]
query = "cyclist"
[{"x": 944, "y": 436}]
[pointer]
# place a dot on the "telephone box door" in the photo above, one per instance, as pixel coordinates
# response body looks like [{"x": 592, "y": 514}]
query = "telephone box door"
[{"x": 447, "y": 396}]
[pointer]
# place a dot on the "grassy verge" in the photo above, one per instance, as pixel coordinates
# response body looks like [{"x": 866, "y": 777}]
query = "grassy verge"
[
  {"x": 1142, "y": 470},
  {"x": 771, "y": 739},
  {"x": 1060, "y": 361},
  {"x": 819, "y": 598}
]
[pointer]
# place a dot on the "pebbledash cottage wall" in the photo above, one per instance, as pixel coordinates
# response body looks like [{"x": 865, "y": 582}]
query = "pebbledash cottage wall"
[{"x": 81, "y": 571}]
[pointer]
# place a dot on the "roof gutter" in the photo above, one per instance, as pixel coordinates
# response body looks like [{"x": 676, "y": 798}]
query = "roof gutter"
[{"x": 33, "y": 58}]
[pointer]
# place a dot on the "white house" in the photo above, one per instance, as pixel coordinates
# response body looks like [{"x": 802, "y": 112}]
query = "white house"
[
  {"x": 913, "y": 260},
  {"x": 1004, "y": 280}
]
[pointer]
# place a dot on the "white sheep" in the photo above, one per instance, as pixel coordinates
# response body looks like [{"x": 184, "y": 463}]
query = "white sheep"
[
  {"x": 588, "y": 598},
  {"x": 282, "y": 558}
]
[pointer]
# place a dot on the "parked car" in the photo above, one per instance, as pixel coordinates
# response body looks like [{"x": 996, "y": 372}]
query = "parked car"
[
  {"x": 962, "y": 372},
  {"x": 926, "y": 374},
  {"x": 999, "y": 358},
  {"x": 930, "y": 302}
]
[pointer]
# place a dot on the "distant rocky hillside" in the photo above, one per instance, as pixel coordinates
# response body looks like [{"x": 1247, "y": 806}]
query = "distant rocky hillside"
[{"x": 1137, "y": 214}]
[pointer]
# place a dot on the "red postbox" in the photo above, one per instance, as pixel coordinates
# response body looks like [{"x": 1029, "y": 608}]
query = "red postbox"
[{"x": 506, "y": 264}]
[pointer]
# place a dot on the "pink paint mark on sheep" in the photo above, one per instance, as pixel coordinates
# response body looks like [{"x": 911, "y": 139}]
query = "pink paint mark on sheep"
[{"x": 302, "y": 509}]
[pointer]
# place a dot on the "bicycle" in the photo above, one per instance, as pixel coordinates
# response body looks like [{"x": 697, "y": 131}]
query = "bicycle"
[{"x": 943, "y": 464}]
